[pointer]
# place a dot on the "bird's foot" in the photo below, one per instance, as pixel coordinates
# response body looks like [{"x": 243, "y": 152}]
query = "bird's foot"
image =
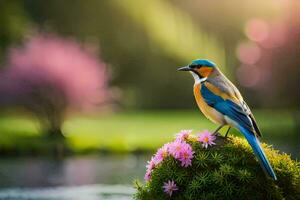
[
  {"x": 216, "y": 134},
  {"x": 227, "y": 131}
]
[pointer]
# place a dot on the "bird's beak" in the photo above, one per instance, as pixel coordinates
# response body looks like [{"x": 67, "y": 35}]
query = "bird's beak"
[{"x": 185, "y": 68}]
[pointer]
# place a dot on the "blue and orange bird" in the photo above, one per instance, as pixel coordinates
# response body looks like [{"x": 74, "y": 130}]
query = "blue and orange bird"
[{"x": 222, "y": 103}]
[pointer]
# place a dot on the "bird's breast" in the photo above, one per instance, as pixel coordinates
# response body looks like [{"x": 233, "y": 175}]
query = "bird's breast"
[{"x": 207, "y": 110}]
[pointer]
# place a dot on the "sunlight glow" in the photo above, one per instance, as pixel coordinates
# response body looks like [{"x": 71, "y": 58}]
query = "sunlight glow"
[{"x": 173, "y": 30}]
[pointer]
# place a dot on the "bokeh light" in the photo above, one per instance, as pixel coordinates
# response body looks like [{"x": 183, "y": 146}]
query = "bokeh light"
[
  {"x": 248, "y": 76},
  {"x": 276, "y": 39},
  {"x": 248, "y": 53},
  {"x": 257, "y": 30}
]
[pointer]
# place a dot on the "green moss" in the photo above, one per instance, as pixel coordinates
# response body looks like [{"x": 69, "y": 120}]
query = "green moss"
[{"x": 227, "y": 170}]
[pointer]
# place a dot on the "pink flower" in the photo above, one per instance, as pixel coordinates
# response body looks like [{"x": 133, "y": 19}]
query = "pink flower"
[
  {"x": 186, "y": 155},
  {"x": 147, "y": 176},
  {"x": 170, "y": 187},
  {"x": 151, "y": 164},
  {"x": 183, "y": 135},
  {"x": 182, "y": 151},
  {"x": 176, "y": 148},
  {"x": 161, "y": 154},
  {"x": 206, "y": 138},
  {"x": 179, "y": 149}
]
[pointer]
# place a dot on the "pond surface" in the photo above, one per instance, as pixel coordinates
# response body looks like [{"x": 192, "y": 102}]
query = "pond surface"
[
  {"x": 87, "y": 192},
  {"x": 82, "y": 177}
]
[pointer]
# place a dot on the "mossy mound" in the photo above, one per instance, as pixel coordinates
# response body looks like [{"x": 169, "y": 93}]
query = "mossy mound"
[{"x": 227, "y": 170}]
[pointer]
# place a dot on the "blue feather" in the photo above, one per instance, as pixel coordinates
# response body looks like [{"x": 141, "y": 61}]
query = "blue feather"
[
  {"x": 244, "y": 124},
  {"x": 226, "y": 107},
  {"x": 258, "y": 151},
  {"x": 203, "y": 62}
]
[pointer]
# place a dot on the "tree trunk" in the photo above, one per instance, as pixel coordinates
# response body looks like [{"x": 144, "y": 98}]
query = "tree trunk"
[
  {"x": 59, "y": 146},
  {"x": 55, "y": 132}
]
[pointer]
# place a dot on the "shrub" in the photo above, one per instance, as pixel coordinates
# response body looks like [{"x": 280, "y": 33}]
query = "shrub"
[{"x": 227, "y": 169}]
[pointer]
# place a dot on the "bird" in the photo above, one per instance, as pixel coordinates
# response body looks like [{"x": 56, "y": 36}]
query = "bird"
[{"x": 222, "y": 103}]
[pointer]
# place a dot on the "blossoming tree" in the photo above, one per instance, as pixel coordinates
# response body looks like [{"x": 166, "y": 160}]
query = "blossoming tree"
[{"x": 49, "y": 76}]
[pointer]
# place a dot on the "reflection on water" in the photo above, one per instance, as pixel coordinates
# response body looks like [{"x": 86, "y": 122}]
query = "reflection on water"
[
  {"x": 88, "y": 192},
  {"x": 80, "y": 177},
  {"x": 81, "y": 170}
]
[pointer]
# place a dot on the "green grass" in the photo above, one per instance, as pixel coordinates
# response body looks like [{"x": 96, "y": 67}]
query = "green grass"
[{"x": 123, "y": 132}]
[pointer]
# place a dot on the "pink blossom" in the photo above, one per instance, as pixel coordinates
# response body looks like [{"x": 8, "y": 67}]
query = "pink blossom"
[
  {"x": 183, "y": 135},
  {"x": 206, "y": 138},
  {"x": 176, "y": 148},
  {"x": 179, "y": 149},
  {"x": 63, "y": 64},
  {"x": 182, "y": 151},
  {"x": 147, "y": 176},
  {"x": 161, "y": 154},
  {"x": 186, "y": 155},
  {"x": 151, "y": 164},
  {"x": 170, "y": 187}
]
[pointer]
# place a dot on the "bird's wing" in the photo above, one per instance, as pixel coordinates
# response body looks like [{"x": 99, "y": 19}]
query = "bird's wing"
[
  {"x": 227, "y": 90},
  {"x": 226, "y": 105},
  {"x": 256, "y": 128},
  {"x": 225, "y": 86},
  {"x": 239, "y": 112}
]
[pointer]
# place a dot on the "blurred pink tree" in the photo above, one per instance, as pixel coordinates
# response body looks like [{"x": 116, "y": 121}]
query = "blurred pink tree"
[{"x": 50, "y": 76}]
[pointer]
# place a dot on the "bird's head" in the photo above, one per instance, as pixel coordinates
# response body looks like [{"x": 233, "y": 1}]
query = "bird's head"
[{"x": 201, "y": 69}]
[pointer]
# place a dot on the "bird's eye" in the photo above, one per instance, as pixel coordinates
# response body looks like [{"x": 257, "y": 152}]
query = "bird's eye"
[{"x": 195, "y": 66}]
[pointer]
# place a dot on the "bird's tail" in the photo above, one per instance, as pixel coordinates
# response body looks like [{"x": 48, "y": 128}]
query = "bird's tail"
[{"x": 258, "y": 151}]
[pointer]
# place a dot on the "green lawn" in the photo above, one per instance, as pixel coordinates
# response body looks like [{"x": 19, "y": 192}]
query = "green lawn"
[{"x": 123, "y": 132}]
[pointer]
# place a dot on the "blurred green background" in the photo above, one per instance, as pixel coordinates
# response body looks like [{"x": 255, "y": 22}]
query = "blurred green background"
[
  {"x": 143, "y": 42},
  {"x": 255, "y": 43}
]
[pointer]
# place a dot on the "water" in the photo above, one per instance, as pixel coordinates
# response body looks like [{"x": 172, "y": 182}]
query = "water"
[
  {"x": 81, "y": 177},
  {"x": 86, "y": 192}
]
